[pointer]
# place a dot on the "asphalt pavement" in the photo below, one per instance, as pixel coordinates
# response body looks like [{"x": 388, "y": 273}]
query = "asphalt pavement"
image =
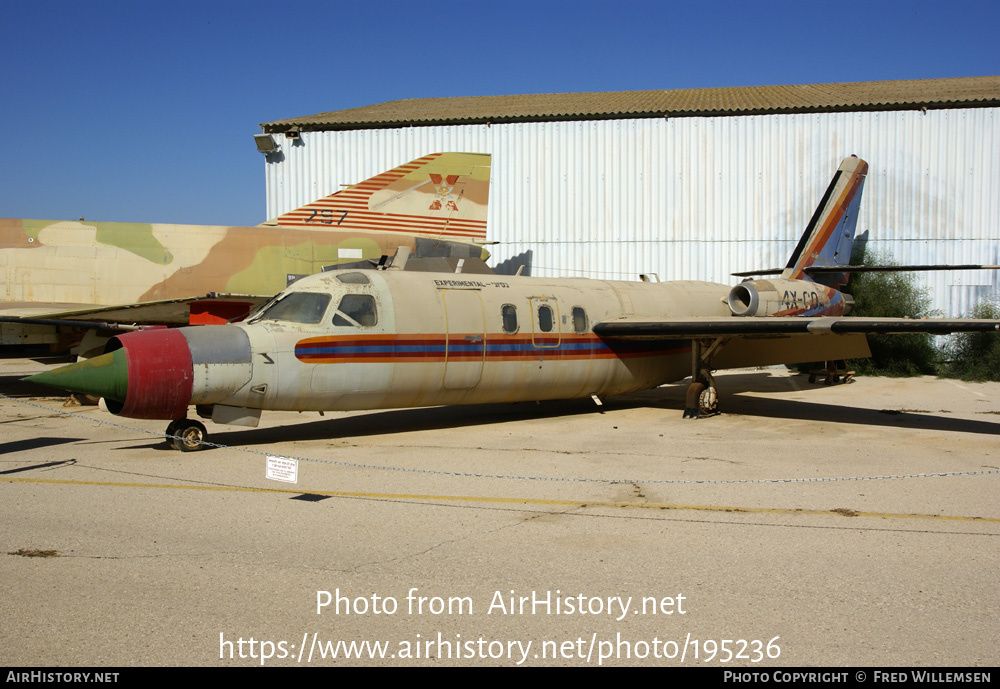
[{"x": 805, "y": 525}]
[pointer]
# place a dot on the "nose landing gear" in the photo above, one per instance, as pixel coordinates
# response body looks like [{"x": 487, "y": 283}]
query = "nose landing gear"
[{"x": 186, "y": 435}]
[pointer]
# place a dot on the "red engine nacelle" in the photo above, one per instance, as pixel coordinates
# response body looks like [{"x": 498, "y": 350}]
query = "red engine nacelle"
[{"x": 160, "y": 374}]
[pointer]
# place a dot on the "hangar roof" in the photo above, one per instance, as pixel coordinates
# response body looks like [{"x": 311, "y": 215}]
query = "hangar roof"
[{"x": 965, "y": 92}]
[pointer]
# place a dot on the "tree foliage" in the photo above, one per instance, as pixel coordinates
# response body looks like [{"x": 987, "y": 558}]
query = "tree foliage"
[
  {"x": 976, "y": 356},
  {"x": 896, "y": 295}
]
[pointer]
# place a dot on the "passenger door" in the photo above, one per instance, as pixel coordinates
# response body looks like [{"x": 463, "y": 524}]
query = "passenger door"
[{"x": 465, "y": 338}]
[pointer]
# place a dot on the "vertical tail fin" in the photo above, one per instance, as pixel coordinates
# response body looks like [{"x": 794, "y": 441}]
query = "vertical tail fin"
[
  {"x": 829, "y": 237},
  {"x": 441, "y": 195}
]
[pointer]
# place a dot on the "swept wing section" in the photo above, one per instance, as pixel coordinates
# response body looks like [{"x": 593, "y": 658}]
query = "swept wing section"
[
  {"x": 688, "y": 328},
  {"x": 181, "y": 311},
  {"x": 740, "y": 341}
]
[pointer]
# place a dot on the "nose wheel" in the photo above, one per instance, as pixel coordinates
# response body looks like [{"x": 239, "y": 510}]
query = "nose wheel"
[{"x": 186, "y": 435}]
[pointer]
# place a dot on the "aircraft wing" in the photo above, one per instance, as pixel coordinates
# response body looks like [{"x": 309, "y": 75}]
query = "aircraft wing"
[
  {"x": 180, "y": 311},
  {"x": 778, "y": 326}
]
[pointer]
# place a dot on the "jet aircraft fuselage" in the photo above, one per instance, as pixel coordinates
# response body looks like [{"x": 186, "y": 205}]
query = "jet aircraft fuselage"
[{"x": 382, "y": 339}]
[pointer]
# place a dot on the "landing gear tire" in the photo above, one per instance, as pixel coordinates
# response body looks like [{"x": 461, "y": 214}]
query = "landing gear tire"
[
  {"x": 188, "y": 435},
  {"x": 172, "y": 430},
  {"x": 708, "y": 401},
  {"x": 701, "y": 400}
]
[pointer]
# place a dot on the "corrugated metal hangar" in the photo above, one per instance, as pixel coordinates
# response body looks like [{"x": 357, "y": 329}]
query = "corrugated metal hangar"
[{"x": 690, "y": 184}]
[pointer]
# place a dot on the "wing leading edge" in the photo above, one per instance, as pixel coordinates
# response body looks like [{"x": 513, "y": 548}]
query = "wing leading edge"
[
  {"x": 776, "y": 326},
  {"x": 181, "y": 311}
]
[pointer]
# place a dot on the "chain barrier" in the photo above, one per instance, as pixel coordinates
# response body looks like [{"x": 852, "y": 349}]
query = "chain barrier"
[{"x": 464, "y": 474}]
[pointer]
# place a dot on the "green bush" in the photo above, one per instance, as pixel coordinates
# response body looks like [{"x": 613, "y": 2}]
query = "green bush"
[
  {"x": 976, "y": 356},
  {"x": 895, "y": 295}
]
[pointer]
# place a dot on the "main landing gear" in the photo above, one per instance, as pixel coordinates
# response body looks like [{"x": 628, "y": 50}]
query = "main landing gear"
[
  {"x": 702, "y": 398},
  {"x": 833, "y": 373},
  {"x": 186, "y": 435}
]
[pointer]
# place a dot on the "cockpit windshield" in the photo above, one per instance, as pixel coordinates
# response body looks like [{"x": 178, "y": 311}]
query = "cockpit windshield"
[{"x": 296, "y": 307}]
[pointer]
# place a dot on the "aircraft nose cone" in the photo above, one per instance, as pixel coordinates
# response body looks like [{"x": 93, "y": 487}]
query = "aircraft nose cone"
[
  {"x": 147, "y": 374},
  {"x": 103, "y": 376}
]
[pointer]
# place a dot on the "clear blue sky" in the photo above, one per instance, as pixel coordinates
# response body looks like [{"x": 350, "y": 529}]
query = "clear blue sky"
[{"x": 99, "y": 97}]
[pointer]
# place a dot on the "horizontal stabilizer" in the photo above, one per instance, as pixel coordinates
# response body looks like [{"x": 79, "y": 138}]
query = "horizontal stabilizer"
[
  {"x": 816, "y": 270},
  {"x": 895, "y": 269}
]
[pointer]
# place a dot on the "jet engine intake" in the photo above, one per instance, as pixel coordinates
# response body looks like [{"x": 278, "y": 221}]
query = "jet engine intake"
[
  {"x": 786, "y": 298},
  {"x": 157, "y": 374}
]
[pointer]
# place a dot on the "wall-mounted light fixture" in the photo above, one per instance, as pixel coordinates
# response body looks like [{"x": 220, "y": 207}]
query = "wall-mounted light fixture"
[{"x": 265, "y": 143}]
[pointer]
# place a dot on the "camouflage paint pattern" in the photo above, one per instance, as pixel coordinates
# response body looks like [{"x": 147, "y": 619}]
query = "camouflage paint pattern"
[
  {"x": 442, "y": 195},
  {"x": 55, "y": 267}
]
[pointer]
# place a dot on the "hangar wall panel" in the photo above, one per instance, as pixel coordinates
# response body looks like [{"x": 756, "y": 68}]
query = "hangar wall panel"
[{"x": 699, "y": 198}]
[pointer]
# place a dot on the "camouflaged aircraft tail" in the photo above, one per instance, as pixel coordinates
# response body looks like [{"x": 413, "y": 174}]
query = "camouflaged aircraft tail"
[
  {"x": 829, "y": 237},
  {"x": 441, "y": 195}
]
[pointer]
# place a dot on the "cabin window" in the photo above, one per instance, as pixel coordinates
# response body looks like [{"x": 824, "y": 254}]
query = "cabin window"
[
  {"x": 509, "y": 312},
  {"x": 356, "y": 310},
  {"x": 297, "y": 307},
  {"x": 579, "y": 320},
  {"x": 353, "y": 278},
  {"x": 545, "y": 318}
]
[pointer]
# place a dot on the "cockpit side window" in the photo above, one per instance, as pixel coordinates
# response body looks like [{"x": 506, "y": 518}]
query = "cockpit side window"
[
  {"x": 357, "y": 310},
  {"x": 297, "y": 307}
]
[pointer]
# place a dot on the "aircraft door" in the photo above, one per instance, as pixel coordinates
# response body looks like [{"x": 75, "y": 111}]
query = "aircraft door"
[{"x": 465, "y": 338}]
